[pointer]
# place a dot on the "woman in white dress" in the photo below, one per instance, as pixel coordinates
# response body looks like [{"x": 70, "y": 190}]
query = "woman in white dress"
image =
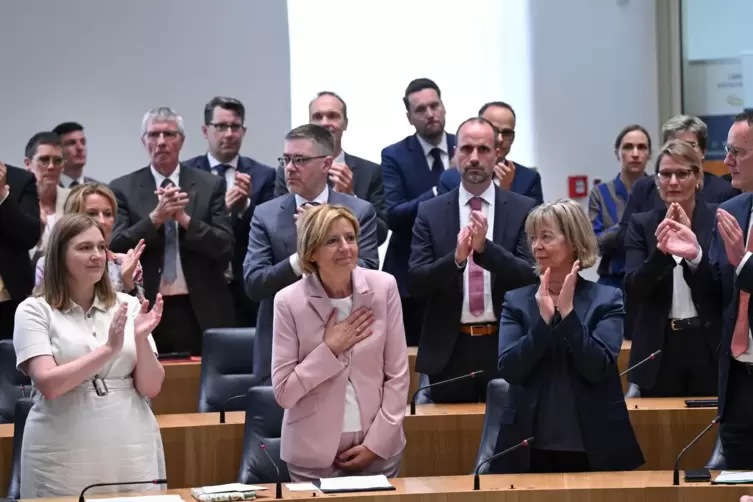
[{"x": 92, "y": 361}]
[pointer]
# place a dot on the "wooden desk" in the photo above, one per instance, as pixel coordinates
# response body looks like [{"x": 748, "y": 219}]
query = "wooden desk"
[
  {"x": 443, "y": 440},
  {"x": 637, "y": 486}
]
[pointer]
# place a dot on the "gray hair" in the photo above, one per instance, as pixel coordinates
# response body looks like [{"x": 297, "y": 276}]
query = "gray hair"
[
  {"x": 686, "y": 123},
  {"x": 321, "y": 137},
  {"x": 162, "y": 114}
]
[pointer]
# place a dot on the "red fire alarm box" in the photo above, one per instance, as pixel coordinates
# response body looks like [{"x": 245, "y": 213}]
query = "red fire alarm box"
[{"x": 578, "y": 186}]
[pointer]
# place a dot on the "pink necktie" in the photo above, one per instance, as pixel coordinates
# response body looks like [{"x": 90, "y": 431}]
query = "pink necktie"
[
  {"x": 742, "y": 326},
  {"x": 475, "y": 275}
]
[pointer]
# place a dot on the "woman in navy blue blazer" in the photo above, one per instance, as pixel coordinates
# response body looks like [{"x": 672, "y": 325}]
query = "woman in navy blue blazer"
[{"x": 558, "y": 347}]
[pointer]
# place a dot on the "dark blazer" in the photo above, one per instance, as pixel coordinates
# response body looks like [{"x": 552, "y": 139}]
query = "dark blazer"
[
  {"x": 715, "y": 278},
  {"x": 262, "y": 190},
  {"x": 526, "y": 182},
  {"x": 408, "y": 181},
  {"x": 267, "y": 269},
  {"x": 367, "y": 185},
  {"x": 649, "y": 285},
  {"x": 206, "y": 246},
  {"x": 20, "y": 228},
  {"x": 645, "y": 197},
  {"x": 584, "y": 346},
  {"x": 434, "y": 275}
]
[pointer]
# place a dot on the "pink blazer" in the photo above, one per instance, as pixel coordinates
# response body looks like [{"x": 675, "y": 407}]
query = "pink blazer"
[{"x": 309, "y": 381}]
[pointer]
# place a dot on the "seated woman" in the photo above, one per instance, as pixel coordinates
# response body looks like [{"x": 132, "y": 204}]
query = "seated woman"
[
  {"x": 91, "y": 358},
  {"x": 672, "y": 315},
  {"x": 98, "y": 201},
  {"x": 339, "y": 357},
  {"x": 558, "y": 347}
]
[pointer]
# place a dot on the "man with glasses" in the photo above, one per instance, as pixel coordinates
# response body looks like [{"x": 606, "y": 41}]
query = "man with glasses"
[
  {"x": 508, "y": 175},
  {"x": 44, "y": 158},
  {"x": 249, "y": 183},
  {"x": 180, "y": 214},
  {"x": 271, "y": 261}
]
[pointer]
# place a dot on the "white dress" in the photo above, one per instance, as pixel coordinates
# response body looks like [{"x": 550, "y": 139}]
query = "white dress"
[{"x": 81, "y": 438}]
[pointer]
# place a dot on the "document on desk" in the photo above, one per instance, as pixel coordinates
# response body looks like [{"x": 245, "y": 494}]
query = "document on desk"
[
  {"x": 354, "y": 484},
  {"x": 734, "y": 478}
]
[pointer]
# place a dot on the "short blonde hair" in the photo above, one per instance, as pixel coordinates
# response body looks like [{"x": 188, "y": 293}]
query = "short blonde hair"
[
  {"x": 571, "y": 220},
  {"x": 683, "y": 153},
  {"x": 54, "y": 285},
  {"x": 76, "y": 201},
  {"x": 313, "y": 231}
]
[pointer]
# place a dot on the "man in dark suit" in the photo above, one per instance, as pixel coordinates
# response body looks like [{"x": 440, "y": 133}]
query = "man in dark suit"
[
  {"x": 508, "y": 175},
  {"x": 348, "y": 174},
  {"x": 180, "y": 213},
  {"x": 722, "y": 275},
  {"x": 411, "y": 169},
  {"x": 249, "y": 183},
  {"x": 20, "y": 228},
  {"x": 75, "y": 151},
  {"x": 272, "y": 261},
  {"x": 469, "y": 248}
]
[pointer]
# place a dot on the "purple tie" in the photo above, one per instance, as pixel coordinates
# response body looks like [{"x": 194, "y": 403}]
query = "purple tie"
[{"x": 475, "y": 275}]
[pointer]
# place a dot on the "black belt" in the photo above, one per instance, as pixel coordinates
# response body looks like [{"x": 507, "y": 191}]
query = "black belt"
[{"x": 683, "y": 324}]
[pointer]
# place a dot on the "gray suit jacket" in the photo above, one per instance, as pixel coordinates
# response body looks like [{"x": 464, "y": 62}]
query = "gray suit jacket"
[{"x": 267, "y": 269}]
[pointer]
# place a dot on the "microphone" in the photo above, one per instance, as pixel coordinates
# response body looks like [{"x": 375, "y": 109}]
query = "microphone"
[
  {"x": 676, "y": 473},
  {"x": 476, "y": 481},
  {"x": 152, "y": 482},
  {"x": 649, "y": 358},
  {"x": 278, "y": 490},
  {"x": 224, "y": 406},
  {"x": 413, "y": 399}
]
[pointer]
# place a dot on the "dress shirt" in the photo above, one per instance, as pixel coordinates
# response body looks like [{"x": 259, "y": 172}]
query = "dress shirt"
[
  {"x": 682, "y": 300},
  {"x": 66, "y": 180},
  {"x": 179, "y": 287},
  {"x": 352, "y": 421},
  {"x": 322, "y": 198},
  {"x": 487, "y": 207},
  {"x": 747, "y": 356}
]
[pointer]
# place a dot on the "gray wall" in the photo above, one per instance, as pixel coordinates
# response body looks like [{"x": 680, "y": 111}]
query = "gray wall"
[{"x": 104, "y": 64}]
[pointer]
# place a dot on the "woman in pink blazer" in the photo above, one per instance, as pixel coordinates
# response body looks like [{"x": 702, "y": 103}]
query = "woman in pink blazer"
[{"x": 339, "y": 357}]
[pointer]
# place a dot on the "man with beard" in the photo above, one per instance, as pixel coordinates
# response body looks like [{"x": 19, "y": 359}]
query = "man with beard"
[
  {"x": 469, "y": 248},
  {"x": 411, "y": 169},
  {"x": 249, "y": 183}
]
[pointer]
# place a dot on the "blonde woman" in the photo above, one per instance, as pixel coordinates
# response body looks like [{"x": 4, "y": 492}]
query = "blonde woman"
[
  {"x": 98, "y": 201},
  {"x": 558, "y": 347}
]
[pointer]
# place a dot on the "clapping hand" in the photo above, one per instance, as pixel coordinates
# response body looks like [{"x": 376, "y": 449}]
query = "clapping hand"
[
  {"x": 504, "y": 173},
  {"x": 677, "y": 213},
  {"x": 565, "y": 298},
  {"x": 732, "y": 235},
  {"x": 147, "y": 320},
  {"x": 3, "y": 181},
  {"x": 128, "y": 269},
  {"x": 464, "y": 245},
  {"x": 676, "y": 239},
  {"x": 479, "y": 227},
  {"x": 544, "y": 298},
  {"x": 117, "y": 328}
]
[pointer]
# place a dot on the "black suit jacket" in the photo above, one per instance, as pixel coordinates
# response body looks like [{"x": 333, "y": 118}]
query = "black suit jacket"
[
  {"x": 433, "y": 274},
  {"x": 367, "y": 185},
  {"x": 206, "y": 246},
  {"x": 20, "y": 228},
  {"x": 649, "y": 285},
  {"x": 262, "y": 190}
]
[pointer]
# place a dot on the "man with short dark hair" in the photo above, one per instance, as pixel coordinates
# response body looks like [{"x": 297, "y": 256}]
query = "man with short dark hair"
[
  {"x": 411, "y": 169},
  {"x": 272, "y": 261},
  {"x": 348, "y": 174},
  {"x": 75, "y": 150},
  {"x": 249, "y": 183}
]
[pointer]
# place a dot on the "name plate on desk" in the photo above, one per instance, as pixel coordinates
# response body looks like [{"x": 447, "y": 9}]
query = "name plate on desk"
[{"x": 354, "y": 484}]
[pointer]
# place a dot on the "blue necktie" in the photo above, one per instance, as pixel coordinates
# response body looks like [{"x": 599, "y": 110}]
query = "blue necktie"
[
  {"x": 170, "y": 265},
  {"x": 222, "y": 169},
  {"x": 437, "y": 167}
]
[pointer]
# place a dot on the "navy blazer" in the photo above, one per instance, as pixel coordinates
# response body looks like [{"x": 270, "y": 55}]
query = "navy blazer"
[
  {"x": 262, "y": 190},
  {"x": 526, "y": 182},
  {"x": 435, "y": 276},
  {"x": 408, "y": 181},
  {"x": 649, "y": 284},
  {"x": 587, "y": 343},
  {"x": 715, "y": 277}
]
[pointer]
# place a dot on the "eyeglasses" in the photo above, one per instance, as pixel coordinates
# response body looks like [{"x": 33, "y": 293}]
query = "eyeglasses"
[
  {"x": 734, "y": 152},
  {"x": 681, "y": 175},
  {"x": 154, "y": 135},
  {"x": 507, "y": 133},
  {"x": 298, "y": 160},
  {"x": 46, "y": 160},
  {"x": 224, "y": 127}
]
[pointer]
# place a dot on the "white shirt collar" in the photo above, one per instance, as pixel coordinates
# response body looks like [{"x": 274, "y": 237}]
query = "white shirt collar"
[
  {"x": 214, "y": 162},
  {"x": 428, "y": 147},
  {"x": 340, "y": 159},
  {"x": 322, "y": 198},
  {"x": 159, "y": 178},
  {"x": 487, "y": 196},
  {"x": 67, "y": 180}
]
